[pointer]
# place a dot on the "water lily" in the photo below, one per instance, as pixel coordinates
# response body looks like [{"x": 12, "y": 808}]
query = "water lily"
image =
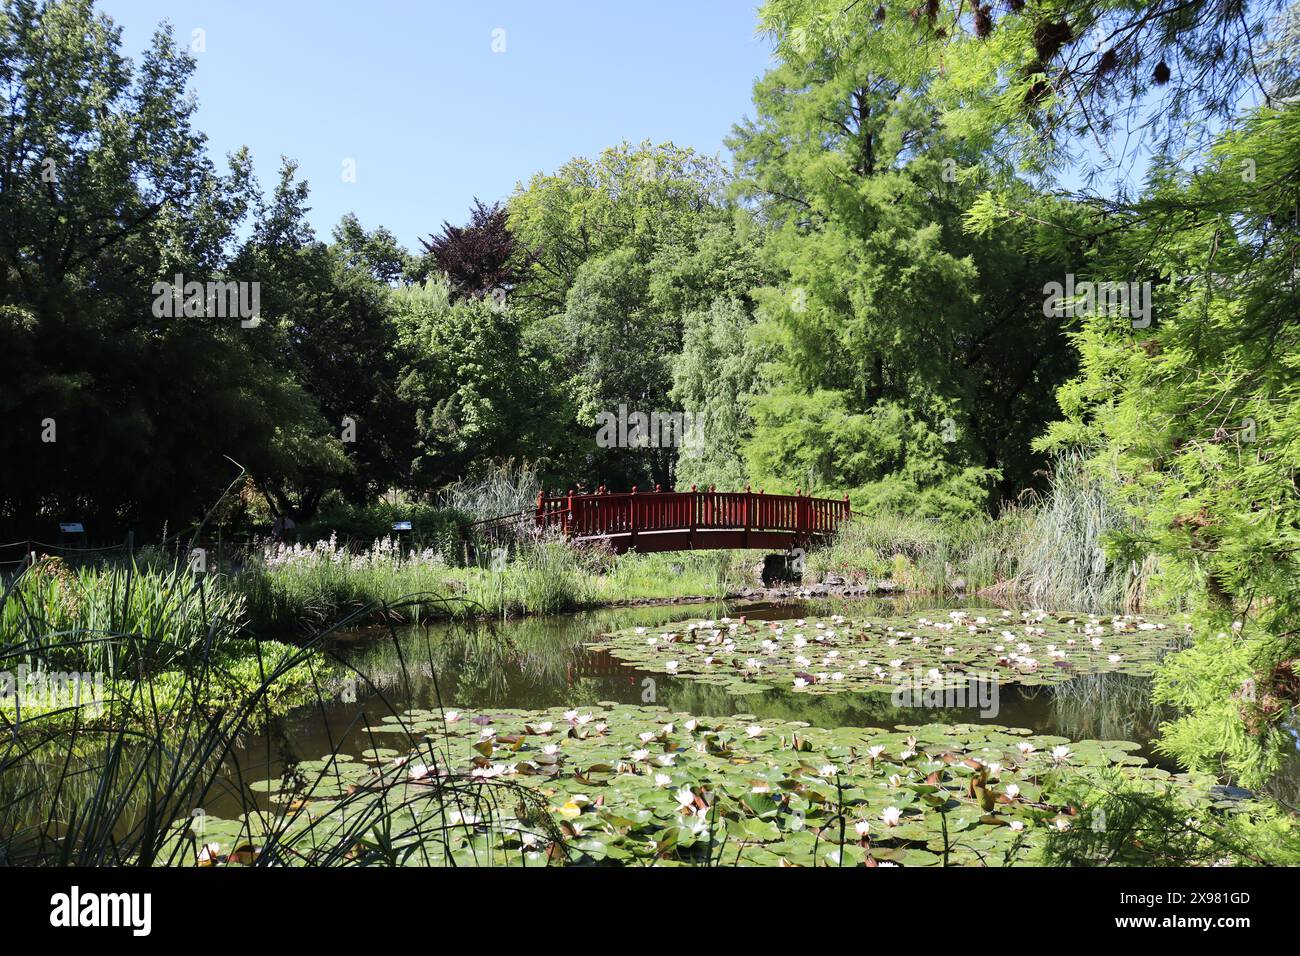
[
  {"x": 828, "y": 770},
  {"x": 1017, "y": 825},
  {"x": 875, "y": 751},
  {"x": 685, "y": 797},
  {"x": 663, "y": 780},
  {"x": 862, "y": 828},
  {"x": 800, "y": 683},
  {"x": 1061, "y": 754},
  {"x": 640, "y": 755},
  {"x": 1012, "y": 791},
  {"x": 754, "y": 730},
  {"x": 670, "y": 667},
  {"x": 1025, "y": 747},
  {"x": 891, "y": 816}
]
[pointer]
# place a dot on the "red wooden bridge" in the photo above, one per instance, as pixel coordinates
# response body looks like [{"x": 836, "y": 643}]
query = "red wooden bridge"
[{"x": 692, "y": 520}]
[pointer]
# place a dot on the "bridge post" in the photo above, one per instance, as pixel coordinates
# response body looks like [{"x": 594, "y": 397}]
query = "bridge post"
[
  {"x": 568, "y": 515},
  {"x": 541, "y": 495},
  {"x": 694, "y": 503},
  {"x": 800, "y": 518},
  {"x": 631, "y": 519},
  {"x": 745, "y": 517}
]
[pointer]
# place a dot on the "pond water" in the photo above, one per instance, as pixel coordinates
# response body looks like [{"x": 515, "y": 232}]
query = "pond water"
[{"x": 543, "y": 662}]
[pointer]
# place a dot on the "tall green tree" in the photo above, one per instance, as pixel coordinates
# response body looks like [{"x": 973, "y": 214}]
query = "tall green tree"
[
  {"x": 116, "y": 415},
  {"x": 914, "y": 360}
]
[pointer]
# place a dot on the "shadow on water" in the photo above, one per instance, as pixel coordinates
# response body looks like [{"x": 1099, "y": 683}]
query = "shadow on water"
[{"x": 546, "y": 662}]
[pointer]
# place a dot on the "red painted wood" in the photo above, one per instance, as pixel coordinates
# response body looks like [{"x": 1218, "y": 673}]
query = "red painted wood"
[{"x": 638, "y": 517}]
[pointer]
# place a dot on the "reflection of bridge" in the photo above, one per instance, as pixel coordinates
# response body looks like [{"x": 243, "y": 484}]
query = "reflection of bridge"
[{"x": 692, "y": 520}]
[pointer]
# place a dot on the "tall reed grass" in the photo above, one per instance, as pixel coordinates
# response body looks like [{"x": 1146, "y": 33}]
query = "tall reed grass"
[
  {"x": 1047, "y": 550},
  {"x": 160, "y": 614}
]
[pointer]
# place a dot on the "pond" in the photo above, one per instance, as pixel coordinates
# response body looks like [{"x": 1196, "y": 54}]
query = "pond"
[{"x": 546, "y": 662}]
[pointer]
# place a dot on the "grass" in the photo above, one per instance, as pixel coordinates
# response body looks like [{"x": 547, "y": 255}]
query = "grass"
[
  {"x": 1045, "y": 551},
  {"x": 99, "y": 631},
  {"x": 56, "y": 611},
  {"x": 300, "y": 588}
]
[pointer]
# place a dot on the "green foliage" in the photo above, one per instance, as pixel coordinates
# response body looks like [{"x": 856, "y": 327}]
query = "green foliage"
[
  {"x": 57, "y": 616},
  {"x": 475, "y": 386},
  {"x": 913, "y": 359},
  {"x": 1199, "y": 417},
  {"x": 431, "y": 526}
]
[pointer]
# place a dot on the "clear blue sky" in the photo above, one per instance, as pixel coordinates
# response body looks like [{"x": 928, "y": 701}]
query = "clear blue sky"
[{"x": 413, "y": 92}]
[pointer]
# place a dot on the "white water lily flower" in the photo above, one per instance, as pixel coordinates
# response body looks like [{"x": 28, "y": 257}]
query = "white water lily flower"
[
  {"x": 754, "y": 730},
  {"x": 895, "y": 780},
  {"x": 570, "y": 715},
  {"x": 1012, "y": 791},
  {"x": 663, "y": 780},
  {"x": 640, "y": 754},
  {"x": 875, "y": 751},
  {"x": 585, "y": 719},
  {"x": 551, "y": 750},
  {"x": 1017, "y": 825},
  {"x": 1026, "y": 748},
  {"x": 828, "y": 770},
  {"x": 1061, "y": 754},
  {"x": 451, "y": 716},
  {"x": 640, "y": 630},
  {"x": 666, "y": 760},
  {"x": 800, "y": 683},
  {"x": 670, "y": 666},
  {"x": 1114, "y": 658},
  {"x": 891, "y": 816},
  {"x": 646, "y": 737},
  {"x": 601, "y": 728},
  {"x": 685, "y": 798},
  {"x": 692, "y": 724},
  {"x": 545, "y": 727},
  {"x": 862, "y": 828}
]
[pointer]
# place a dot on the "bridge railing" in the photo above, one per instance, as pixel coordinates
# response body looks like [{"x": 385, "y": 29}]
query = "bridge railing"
[{"x": 605, "y": 513}]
